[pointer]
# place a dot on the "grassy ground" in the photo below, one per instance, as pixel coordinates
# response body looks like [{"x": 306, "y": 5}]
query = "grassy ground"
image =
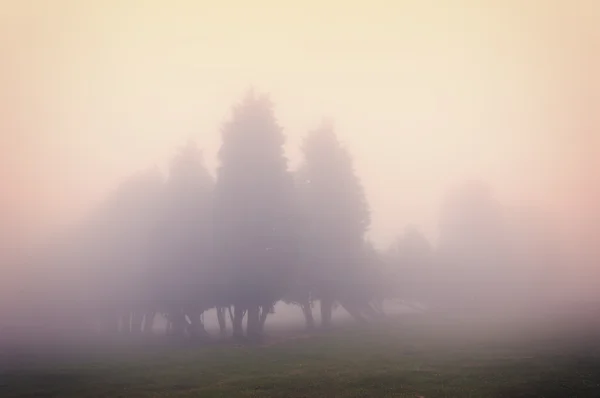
[{"x": 410, "y": 356}]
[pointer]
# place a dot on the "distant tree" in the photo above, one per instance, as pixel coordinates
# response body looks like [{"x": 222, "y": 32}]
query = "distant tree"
[
  {"x": 335, "y": 218},
  {"x": 254, "y": 240},
  {"x": 185, "y": 276},
  {"x": 474, "y": 246},
  {"x": 115, "y": 245},
  {"x": 409, "y": 266},
  {"x": 301, "y": 291},
  {"x": 375, "y": 278}
]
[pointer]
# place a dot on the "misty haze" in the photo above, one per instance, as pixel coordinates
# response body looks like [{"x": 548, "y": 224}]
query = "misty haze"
[{"x": 334, "y": 199}]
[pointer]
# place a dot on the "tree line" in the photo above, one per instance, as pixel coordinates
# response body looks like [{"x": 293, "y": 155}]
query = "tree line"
[
  {"x": 259, "y": 233},
  {"x": 256, "y": 234}
]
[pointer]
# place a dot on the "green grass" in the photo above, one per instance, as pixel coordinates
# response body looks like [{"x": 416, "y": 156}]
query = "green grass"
[{"x": 411, "y": 356}]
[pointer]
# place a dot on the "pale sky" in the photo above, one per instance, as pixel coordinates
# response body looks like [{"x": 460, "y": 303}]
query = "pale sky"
[{"x": 425, "y": 94}]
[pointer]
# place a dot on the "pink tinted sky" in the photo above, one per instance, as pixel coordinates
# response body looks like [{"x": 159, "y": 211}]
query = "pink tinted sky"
[{"x": 424, "y": 93}]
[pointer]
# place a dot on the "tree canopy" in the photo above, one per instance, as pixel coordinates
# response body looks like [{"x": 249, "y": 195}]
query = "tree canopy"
[{"x": 253, "y": 210}]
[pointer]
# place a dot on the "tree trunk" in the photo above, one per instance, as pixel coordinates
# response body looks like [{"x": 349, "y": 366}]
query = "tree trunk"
[
  {"x": 230, "y": 314},
  {"x": 222, "y": 321},
  {"x": 178, "y": 323},
  {"x": 308, "y": 315},
  {"x": 326, "y": 311},
  {"x": 263, "y": 318},
  {"x": 238, "y": 317},
  {"x": 197, "y": 330},
  {"x": 149, "y": 322},
  {"x": 253, "y": 324}
]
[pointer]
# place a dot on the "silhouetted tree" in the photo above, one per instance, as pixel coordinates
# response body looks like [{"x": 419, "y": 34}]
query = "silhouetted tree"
[
  {"x": 253, "y": 213},
  {"x": 374, "y": 272},
  {"x": 117, "y": 250},
  {"x": 335, "y": 218},
  {"x": 301, "y": 289},
  {"x": 185, "y": 278}
]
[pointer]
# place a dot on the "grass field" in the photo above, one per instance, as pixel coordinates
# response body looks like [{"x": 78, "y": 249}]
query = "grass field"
[{"x": 408, "y": 356}]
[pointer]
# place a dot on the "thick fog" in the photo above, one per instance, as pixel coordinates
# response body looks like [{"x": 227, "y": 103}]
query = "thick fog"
[{"x": 243, "y": 158}]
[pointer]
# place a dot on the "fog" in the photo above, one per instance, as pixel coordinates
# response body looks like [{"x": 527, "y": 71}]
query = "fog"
[{"x": 479, "y": 125}]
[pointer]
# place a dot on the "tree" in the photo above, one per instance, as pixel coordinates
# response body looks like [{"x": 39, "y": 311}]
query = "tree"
[
  {"x": 335, "y": 218},
  {"x": 474, "y": 244},
  {"x": 375, "y": 276},
  {"x": 254, "y": 240},
  {"x": 409, "y": 266},
  {"x": 184, "y": 278},
  {"x": 115, "y": 243}
]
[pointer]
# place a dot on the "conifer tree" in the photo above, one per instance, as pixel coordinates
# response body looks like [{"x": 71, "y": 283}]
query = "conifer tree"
[
  {"x": 253, "y": 213},
  {"x": 335, "y": 220},
  {"x": 186, "y": 283}
]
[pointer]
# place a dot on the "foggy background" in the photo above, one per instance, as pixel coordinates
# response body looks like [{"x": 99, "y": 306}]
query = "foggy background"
[{"x": 426, "y": 95}]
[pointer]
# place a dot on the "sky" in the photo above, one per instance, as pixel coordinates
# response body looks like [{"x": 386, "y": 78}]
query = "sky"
[{"x": 425, "y": 94}]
